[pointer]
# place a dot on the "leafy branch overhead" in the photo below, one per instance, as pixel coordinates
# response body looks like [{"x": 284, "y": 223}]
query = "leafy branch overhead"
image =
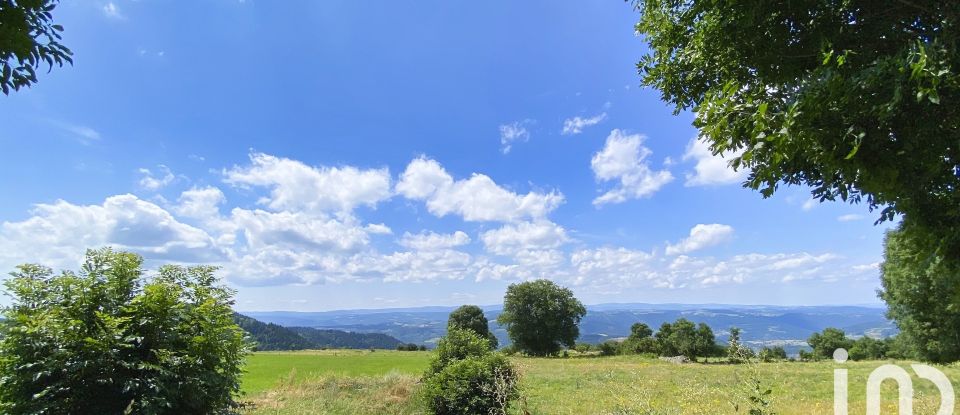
[
  {"x": 858, "y": 99},
  {"x": 28, "y": 40}
]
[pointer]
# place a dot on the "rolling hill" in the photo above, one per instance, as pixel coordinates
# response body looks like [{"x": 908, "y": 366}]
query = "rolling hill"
[
  {"x": 271, "y": 336},
  {"x": 761, "y": 325}
]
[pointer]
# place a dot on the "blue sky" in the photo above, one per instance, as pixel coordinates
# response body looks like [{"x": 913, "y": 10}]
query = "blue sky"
[{"x": 343, "y": 154}]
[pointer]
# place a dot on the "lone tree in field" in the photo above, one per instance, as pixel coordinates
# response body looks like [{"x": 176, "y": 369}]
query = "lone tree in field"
[
  {"x": 28, "y": 39},
  {"x": 860, "y": 100},
  {"x": 108, "y": 340},
  {"x": 541, "y": 317},
  {"x": 470, "y": 317}
]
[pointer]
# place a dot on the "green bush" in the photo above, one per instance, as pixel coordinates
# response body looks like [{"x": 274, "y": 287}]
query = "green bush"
[
  {"x": 458, "y": 344},
  {"x": 107, "y": 340},
  {"x": 475, "y": 385},
  {"x": 583, "y": 347},
  {"x": 609, "y": 348},
  {"x": 771, "y": 354},
  {"x": 465, "y": 377},
  {"x": 646, "y": 345}
]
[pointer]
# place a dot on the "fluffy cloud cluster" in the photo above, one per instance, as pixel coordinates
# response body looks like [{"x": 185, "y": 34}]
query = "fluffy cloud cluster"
[
  {"x": 475, "y": 199},
  {"x": 701, "y": 236},
  {"x": 623, "y": 160},
  {"x": 297, "y": 186},
  {"x": 304, "y": 229}
]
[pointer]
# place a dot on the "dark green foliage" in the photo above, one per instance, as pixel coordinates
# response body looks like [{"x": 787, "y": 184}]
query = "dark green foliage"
[
  {"x": 684, "y": 338},
  {"x": 28, "y": 39},
  {"x": 108, "y": 340},
  {"x": 269, "y": 336},
  {"x": 471, "y": 317},
  {"x": 772, "y": 354},
  {"x": 477, "y": 385},
  {"x": 826, "y": 342},
  {"x": 466, "y": 377},
  {"x": 609, "y": 348},
  {"x": 639, "y": 331},
  {"x": 859, "y": 100},
  {"x": 411, "y": 347},
  {"x": 541, "y": 317},
  {"x": 921, "y": 285},
  {"x": 868, "y": 348},
  {"x": 645, "y": 345},
  {"x": 339, "y": 339}
]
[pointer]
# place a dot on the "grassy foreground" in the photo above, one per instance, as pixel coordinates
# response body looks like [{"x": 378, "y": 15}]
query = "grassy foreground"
[{"x": 385, "y": 382}]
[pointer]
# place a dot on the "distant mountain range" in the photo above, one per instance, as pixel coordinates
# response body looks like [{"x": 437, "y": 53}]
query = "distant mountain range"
[
  {"x": 761, "y": 325},
  {"x": 271, "y": 336}
]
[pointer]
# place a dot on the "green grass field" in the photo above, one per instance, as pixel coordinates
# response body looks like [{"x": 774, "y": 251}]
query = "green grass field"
[{"x": 385, "y": 382}]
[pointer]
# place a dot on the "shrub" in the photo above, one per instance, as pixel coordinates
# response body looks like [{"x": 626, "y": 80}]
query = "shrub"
[
  {"x": 609, "y": 348},
  {"x": 770, "y": 354},
  {"x": 867, "y": 348},
  {"x": 107, "y": 340},
  {"x": 458, "y": 344},
  {"x": 475, "y": 385},
  {"x": 646, "y": 345},
  {"x": 583, "y": 347}
]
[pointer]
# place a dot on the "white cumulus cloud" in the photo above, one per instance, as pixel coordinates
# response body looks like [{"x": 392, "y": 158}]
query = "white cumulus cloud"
[
  {"x": 512, "y": 239},
  {"x": 477, "y": 198},
  {"x": 149, "y": 181},
  {"x": 623, "y": 159},
  {"x": 297, "y": 186},
  {"x": 702, "y": 236}
]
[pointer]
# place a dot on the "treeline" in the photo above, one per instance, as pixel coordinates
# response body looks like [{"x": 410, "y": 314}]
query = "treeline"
[
  {"x": 269, "y": 336},
  {"x": 684, "y": 338},
  {"x": 864, "y": 348}
]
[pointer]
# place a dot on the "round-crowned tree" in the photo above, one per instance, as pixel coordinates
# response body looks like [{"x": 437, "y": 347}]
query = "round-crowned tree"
[
  {"x": 470, "y": 317},
  {"x": 541, "y": 317}
]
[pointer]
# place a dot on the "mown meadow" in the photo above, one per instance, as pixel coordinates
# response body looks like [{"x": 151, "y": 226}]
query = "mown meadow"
[{"x": 386, "y": 382}]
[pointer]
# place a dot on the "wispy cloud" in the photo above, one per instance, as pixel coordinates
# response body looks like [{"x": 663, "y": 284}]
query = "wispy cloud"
[
  {"x": 514, "y": 132},
  {"x": 575, "y": 125},
  {"x": 112, "y": 11},
  {"x": 849, "y": 218}
]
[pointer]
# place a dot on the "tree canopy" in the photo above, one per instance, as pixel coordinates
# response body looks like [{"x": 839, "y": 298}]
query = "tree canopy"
[
  {"x": 828, "y": 341},
  {"x": 541, "y": 317},
  {"x": 858, "y": 99},
  {"x": 470, "y": 317},
  {"x": 28, "y": 39},
  {"x": 108, "y": 340},
  {"x": 921, "y": 288},
  {"x": 683, "y": 337}
]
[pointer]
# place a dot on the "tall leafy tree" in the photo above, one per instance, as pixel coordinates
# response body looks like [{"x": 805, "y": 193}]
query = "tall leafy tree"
[
  {"x": 108, "y": 340},
  {"x": 541, "y": 317},
  {"x": 858, "y": 99},
  {"x": 921, "y": 287},
  {"x": 470, "y": 317},
  {"x": 28, "y": 40}
]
